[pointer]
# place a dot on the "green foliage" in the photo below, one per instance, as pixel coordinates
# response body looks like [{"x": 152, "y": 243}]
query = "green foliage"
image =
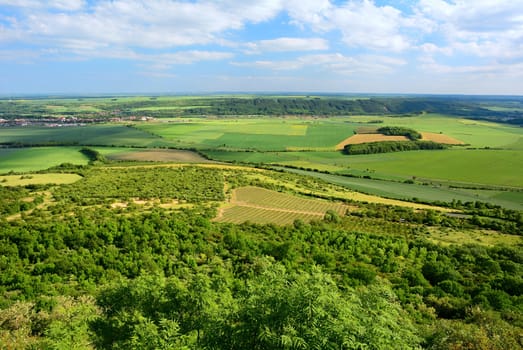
[
  {"x": 93, "y": 155},
  {"x": 170, "y": 277},
  {"x": 272, "y": 309},
  {"x": 411, "y": 134},
  {"x": 191, "y": 184},
  {"x": 391, "y": 146}
]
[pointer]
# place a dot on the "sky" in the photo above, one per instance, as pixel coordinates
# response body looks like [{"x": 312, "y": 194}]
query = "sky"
[{"x": 202, "y": 46}]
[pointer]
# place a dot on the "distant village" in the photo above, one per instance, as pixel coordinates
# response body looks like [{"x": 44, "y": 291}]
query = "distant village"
[{"x": 57, "y": 122}]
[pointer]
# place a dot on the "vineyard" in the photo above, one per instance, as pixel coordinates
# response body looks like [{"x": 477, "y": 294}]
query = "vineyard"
[{"x": 259, "y": 205}]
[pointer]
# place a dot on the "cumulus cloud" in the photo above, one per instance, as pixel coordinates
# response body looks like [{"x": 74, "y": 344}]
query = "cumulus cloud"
[
  {"x": 483, "y": 28},
  {"x": 340, "y": 36},
  {"x": 149, "y": 24},
  {"x": 361, "y": 23}
]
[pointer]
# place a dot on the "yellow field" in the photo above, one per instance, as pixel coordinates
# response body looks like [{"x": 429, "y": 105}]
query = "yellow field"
[
  {"x": 364, "y": 138},
  {"x": 440, "y": 138},
  {"x": 38, "y": 179}
]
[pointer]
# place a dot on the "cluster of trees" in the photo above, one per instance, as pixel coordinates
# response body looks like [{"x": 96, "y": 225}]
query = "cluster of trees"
[
  {"x": 411, "y": 134},
  {"x": 391, "y": 146},
  {"x": 93, "y": 155},
  {"x": 189, "y": 184},
  {"x": 14, "y": 200}
]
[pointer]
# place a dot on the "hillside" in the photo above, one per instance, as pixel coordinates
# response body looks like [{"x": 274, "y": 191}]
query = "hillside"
[{"x": 118, "y": 259}]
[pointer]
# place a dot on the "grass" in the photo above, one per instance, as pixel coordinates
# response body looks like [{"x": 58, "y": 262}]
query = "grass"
[
  {"x": 38, "y": 179},
  {"x": 32, "y": 159},
  {"x": 448, "y": 236}
]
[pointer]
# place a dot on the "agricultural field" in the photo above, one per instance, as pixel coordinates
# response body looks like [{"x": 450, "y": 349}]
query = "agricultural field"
[
  {"x": 98, "y": 134},
  {"x": 455, "y": 165},
  {"x": 259, "y": 205},
  {"x": 474, "y": 133},
  {"x": 38, "y": 158},
  {"x": 426, "y": 193},
  {"x": 38, "y": 179},
  {"x": 368, "y": 137},
  {"x": 274, "y": 134}
]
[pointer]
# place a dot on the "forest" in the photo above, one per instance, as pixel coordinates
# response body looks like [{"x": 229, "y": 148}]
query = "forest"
[
  {"x": 99, "y": 109},
  {"x": 130, "y": 257},
  {"x": 391, "y": 146}
]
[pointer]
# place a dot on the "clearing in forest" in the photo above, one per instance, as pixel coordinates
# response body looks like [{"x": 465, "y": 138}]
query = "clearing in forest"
[{"x": 260, "y": 205}]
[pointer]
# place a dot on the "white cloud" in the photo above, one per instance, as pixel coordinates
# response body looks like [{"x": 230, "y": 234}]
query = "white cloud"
[
  {"x": 335, "y": 63},
  {"x": 483, "y": 28},
  {"x": 361, "y": 23},
  {"x": 140, "y": 23},
  {"x": 65, "y": 5},
  {"x": 287, "y": 44}
]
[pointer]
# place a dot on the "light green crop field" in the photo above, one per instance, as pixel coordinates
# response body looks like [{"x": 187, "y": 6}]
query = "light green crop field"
[
  {"x": 105, "y": 134},
  {"x": 489, "y": 167},
  {"x": 32, "y": 159}
]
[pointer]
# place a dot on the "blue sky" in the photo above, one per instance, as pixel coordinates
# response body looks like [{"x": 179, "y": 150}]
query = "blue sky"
[{"x": 171, "y": 46}]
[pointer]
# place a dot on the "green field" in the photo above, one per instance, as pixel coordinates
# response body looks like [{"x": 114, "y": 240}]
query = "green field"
[
  {"x": 281, "y": 134},
  {"x": 100, "y": 134},
  {"x": 32, "y": 159},
  {"x": 253, "y": 134},
  {"x": 429, "y": 193},
  {"x": 456, "y": 165}
]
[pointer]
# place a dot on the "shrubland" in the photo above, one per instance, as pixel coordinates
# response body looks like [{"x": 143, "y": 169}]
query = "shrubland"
[{"x": 81, "y": 272}]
